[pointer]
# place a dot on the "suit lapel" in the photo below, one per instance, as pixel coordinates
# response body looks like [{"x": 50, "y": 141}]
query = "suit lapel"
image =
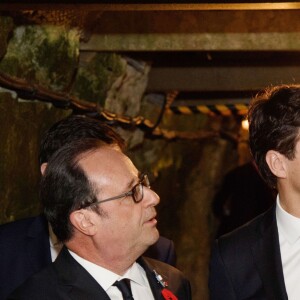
[
  {"x": 75, "y": 281},
  {"x": 156, "y": 288},
  {"x": 266, "y": 252},
  {"x": 78, "y": 284},
  {"x": 37, "y": 244}
]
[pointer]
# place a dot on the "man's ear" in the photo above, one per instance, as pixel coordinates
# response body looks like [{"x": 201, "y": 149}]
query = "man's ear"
[
  {"x": 276, "y": 162},
  {"x": 82, "y": 220},
  {"x": 43, "y": 168}
]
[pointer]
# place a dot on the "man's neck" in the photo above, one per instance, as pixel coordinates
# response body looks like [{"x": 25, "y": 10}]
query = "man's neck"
[
  {"x": 290, "y": 204},
  {"x": 118, "y": 263}
]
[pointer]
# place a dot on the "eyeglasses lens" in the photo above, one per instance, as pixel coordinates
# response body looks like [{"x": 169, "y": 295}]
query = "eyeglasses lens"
[
  {"x": 138, "y": 193},
  {"x": 145, "y": 181}
]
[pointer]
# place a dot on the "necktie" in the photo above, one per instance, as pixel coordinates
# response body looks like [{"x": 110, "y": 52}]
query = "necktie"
[{"x": 124, "y": 286}]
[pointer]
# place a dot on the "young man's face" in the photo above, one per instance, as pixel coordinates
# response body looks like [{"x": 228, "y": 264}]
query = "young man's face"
[
  {"x": 125, "y": 225},
  {"x": 293, "y": 173}
]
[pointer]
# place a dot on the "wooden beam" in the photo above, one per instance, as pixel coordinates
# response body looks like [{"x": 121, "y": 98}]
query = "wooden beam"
[
  {"x": 221, "y": 78},
  {"x": 194, "y": 42},
  {"x": 89, "y": 5}
]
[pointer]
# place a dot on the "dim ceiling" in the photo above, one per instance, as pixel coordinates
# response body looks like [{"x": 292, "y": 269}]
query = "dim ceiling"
[{"x": 218, "y": 53}]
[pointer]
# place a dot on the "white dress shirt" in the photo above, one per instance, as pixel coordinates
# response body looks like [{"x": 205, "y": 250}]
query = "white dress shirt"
[
  {"x": 289, "y": 240},
  {"x": 138, "y": 280},
  {"x": 55, "y": 244}
]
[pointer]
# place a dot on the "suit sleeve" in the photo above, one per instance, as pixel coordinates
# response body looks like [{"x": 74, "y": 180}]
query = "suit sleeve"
[{"x": 220, "y": 285}]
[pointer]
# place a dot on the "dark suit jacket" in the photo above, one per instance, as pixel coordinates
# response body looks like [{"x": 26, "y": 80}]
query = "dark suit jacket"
[
  {"x": 246, "y": 263},
  {"x": 243, "y": 196},
  {"x": 66, "y": 279},
  {"x": 25, "y": 250}
]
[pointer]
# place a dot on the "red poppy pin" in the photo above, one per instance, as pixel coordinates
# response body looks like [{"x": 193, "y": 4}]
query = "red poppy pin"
[{"x": 167, "y": 294}]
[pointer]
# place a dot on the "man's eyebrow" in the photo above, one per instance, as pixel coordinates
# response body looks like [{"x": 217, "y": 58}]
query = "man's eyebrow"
[
  {"x": 131, "y": 183},
  {"x": 133, "y": 180}
]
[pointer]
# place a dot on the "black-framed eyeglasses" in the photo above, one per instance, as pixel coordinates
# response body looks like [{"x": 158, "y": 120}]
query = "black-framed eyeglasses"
[{"x": 136, "y": 192}]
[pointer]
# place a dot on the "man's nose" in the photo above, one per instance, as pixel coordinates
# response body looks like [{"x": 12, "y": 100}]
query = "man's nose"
[{"x": 150, "y": 197}]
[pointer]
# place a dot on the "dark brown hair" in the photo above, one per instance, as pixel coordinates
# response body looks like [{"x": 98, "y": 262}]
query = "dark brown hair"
[
  {"x": 76, "y": 127},
  {"x": 65, "y": 187},
  {"x": 274, "y": 122}
]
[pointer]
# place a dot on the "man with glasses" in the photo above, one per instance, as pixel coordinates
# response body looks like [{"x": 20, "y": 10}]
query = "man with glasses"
[
  {"x": 28, "y": 245},
  {"x": 103, "y": 211}
]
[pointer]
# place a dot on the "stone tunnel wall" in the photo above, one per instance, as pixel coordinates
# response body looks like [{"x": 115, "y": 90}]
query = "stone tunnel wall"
[{"x": 185, "y": 172}]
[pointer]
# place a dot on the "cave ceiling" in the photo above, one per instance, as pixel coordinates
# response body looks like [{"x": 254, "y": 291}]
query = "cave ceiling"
[{"x": 208, "y": 53}]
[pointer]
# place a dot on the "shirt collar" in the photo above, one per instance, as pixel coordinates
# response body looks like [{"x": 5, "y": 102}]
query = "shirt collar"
[
  {"x": 54, "y": 242},
  {"x": 288, "y": 224},
  {"x": 137, "y": 274},
  {"x": 107, "y": 278}
]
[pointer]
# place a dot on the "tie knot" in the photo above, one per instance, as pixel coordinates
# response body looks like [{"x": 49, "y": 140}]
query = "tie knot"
[{"x": 124, "y": 287}]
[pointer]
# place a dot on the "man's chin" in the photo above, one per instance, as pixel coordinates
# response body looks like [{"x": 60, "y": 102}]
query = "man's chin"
[{"x": 154, "y": 237}]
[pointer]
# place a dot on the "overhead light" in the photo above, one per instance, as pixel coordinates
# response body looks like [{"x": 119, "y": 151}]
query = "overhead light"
[{"x": 245, "y": 124}]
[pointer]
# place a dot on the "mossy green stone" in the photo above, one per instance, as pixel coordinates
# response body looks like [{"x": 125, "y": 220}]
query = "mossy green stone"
[
  {"x": 43, "y": 55},
  {"x": 6, "y": 26},
  {"x": 96, "y": 75}
]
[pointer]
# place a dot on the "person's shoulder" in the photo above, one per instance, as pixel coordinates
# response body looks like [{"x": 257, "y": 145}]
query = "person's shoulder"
[
  {"x": 164, "y": 269},
  {"x": 38, "y": 286},
  {"x": 157, "y": 264},
  {"x": 164, "y": 241},
  {"x": 20, "y": 227},
  {"x": 162, "y": 250},
  {"x": 246, "y": 233},
  {"x": 164, "y": 273}
]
